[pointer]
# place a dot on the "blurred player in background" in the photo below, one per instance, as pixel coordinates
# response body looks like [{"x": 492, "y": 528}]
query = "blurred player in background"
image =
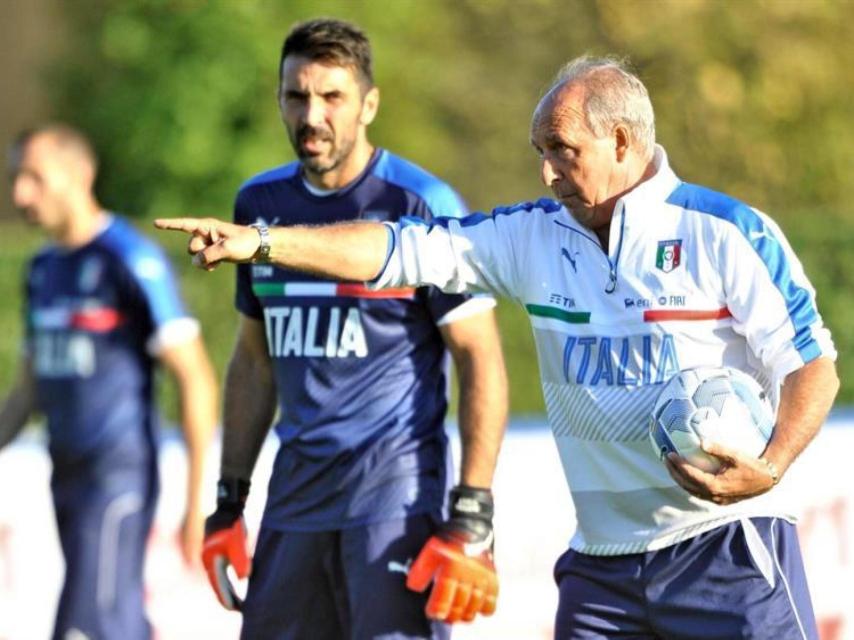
[
  {"x": 628, "y": 276},
  {"x": 102, "y": 306},
  {"x": 363, "y": 469}
]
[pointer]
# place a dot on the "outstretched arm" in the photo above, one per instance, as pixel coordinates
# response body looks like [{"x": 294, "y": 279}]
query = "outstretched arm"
[
  {"x": 353, "y": 251},
  {"x": 18, "y": 406}
]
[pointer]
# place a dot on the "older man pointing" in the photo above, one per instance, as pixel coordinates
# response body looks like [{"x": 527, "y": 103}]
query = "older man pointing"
[{"x": 661, "y": 550}]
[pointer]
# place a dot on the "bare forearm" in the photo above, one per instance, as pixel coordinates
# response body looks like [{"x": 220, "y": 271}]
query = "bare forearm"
[
  {"x": 482, "y": 416},
  {"x": 199, "y": 418},
  {"x": 188, "y": 362},
  {"x": 250, "y": 403},
  {"x": 806, "y": 398},
  {"x": 353, "y": 251}
]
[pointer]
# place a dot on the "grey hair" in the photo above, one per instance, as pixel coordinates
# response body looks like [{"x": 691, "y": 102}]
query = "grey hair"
[{"x": 614, "y": 95}]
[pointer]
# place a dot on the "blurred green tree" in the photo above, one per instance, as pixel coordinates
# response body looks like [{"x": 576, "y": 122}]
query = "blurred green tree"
[{"x": 753, "y": 98}]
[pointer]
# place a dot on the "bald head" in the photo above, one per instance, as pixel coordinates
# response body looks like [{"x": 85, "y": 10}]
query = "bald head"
[
  {"x": 67, "y": 146},
  {"x": 594, "y": 132},
  {"x": 611, "y": 95},
  {"x": 53, "y": 172}
]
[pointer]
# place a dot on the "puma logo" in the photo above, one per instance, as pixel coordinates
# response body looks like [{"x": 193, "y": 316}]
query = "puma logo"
[
  {"x": 397, "y": 567},
  {"x": 571, "y": 259}
]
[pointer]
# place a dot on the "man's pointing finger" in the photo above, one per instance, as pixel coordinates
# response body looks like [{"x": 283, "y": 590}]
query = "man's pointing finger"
[{"x": 190, "y": 225}]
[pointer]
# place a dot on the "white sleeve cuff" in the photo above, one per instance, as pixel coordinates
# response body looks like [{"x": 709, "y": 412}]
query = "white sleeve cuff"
[
  {"x": 792, "y": 361},
  {"x": 172, "y": 333},
  {"x": 385, "y": 278},
  {"x": 469, "y": 308}
]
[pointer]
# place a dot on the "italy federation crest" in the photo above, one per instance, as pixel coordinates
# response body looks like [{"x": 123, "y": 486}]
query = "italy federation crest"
[
  {"x": 90, "y": 274},
  {"x": 669, "y": 255}
]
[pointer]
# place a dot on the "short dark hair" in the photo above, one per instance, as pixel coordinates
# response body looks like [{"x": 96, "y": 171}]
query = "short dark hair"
[{"x": 332, "y": 41}]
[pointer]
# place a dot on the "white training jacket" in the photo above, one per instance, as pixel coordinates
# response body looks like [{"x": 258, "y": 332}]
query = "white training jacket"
[{"x": 693, "y": 278}]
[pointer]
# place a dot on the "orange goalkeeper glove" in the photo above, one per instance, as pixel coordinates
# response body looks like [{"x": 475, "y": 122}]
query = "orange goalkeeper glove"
[
  {"x": 458, "y": 560},
  {"x": 225, "y": 541}
]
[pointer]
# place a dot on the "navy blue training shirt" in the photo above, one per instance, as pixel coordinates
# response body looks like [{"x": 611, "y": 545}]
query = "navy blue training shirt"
[
  {"x": 94, "y": 317},
  {"x": 361, "y": 375}
]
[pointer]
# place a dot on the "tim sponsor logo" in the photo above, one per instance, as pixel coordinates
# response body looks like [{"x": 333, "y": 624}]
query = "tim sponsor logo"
[
  {"x": 561, "y": 300},
  {"x": 262, "y": 271}
]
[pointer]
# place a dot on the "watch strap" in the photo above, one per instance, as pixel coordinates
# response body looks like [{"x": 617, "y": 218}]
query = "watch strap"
[{"x": 262, "y": 255}]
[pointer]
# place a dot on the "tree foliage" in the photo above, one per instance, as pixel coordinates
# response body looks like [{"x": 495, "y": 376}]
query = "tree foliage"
[{"x": 753, "y": 98}]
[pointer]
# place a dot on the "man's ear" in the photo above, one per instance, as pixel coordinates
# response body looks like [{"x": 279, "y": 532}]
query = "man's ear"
[
  {"x": 370, "y": 105},
  {"x": 86, "y": 174},
  {"x": 622, "y": 139}
]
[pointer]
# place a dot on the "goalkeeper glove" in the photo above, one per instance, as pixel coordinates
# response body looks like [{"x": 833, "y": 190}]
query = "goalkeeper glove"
[
  {"x": 225, "y": 540},
  {"x": 458, "y": 560}
]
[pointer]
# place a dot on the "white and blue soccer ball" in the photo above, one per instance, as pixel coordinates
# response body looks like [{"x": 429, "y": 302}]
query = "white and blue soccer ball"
[{"x": 723, "y": 405}]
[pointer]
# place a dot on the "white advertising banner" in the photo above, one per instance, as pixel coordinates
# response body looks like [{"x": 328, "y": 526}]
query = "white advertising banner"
[{"x": 533, "y": 522}]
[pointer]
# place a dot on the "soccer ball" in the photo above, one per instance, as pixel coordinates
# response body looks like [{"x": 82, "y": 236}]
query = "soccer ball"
[{"x": 723, "y": 405}]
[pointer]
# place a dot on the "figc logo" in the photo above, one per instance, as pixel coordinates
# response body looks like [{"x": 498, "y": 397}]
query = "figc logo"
[{"x": 669, "y": 255}]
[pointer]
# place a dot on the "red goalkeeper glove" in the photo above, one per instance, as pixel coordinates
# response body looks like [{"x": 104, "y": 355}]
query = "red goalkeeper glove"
[
  {"x": 458, "y": 560},
  {"x": 225, "y": 541}
]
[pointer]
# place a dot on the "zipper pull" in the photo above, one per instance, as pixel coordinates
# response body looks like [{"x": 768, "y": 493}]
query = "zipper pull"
[{"x": 612, "y": 280}]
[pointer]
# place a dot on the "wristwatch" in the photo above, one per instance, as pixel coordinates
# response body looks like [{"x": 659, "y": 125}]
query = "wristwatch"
[{"x": 262, "y": 255}]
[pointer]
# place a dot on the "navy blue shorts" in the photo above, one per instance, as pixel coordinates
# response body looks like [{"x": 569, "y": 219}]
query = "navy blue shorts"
[
  {"x": 103, "y": 527},
  {"x": 348, "y": 584},
  {"x": 741, "y": 580}
]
